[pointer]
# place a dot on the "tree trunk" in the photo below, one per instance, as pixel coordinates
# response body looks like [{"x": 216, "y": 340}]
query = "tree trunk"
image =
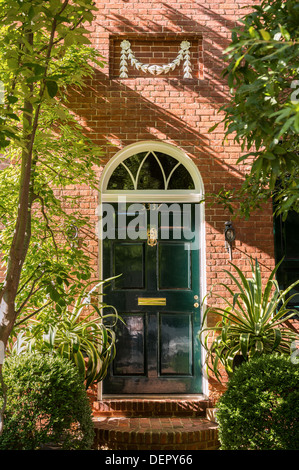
[{"x": 21, "y": 238}]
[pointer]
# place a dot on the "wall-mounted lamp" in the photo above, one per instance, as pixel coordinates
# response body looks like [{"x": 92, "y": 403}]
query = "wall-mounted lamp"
[
  {"x": 230, "y": 235},
  {"x": 72, "y": 233}
]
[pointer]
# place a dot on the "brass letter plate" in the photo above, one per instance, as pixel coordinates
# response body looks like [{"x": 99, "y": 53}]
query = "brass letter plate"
[{"x": 151, "y": 301}]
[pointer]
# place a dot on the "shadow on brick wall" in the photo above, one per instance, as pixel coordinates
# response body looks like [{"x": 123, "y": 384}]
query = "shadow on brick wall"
[{"x": 116, "y": 113}]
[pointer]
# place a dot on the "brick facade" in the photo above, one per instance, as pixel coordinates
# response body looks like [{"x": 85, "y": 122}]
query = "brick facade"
[
  {"x": 117, "y": 112},
  {"x": 170, "y": 108}
]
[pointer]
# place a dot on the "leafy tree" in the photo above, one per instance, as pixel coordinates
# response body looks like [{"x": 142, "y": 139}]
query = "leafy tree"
[
  {"x": 263, "y": 110},
  {"x": 44, "y": 51}
]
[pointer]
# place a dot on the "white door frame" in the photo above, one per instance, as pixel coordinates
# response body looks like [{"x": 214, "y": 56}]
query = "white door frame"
[{"x": 166, "y": 196}]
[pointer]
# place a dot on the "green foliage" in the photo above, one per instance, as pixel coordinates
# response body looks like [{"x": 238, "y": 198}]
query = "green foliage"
[
  {"x": 263, "y": 110},
  {"x": 260, "y": 408},
  {"x": 46, "y": 403},
  {"x": 80, "y": 333},
  {"x": 45, "y": 57},
  {"x": 42, "y": 51},
  {"x": 44, "y": 54},
  {"x": 252, "y": 321}
]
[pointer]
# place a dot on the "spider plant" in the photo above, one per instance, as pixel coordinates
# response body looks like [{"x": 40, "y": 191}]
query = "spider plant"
[
  {"x": 252, "y": 321},
  {"x": 81, "y": 333}
]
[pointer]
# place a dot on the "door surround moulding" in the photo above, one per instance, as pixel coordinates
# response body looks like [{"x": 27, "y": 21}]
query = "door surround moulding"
[{"x": 166, "y": 196}]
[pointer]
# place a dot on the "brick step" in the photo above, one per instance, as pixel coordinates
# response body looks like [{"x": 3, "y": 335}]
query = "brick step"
[
  {"x": 155, "y": 433},
  {"x": 151, "y": 407}
]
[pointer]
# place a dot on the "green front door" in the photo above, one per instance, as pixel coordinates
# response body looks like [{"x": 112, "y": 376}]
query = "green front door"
[{"x": 157, "y": 296}]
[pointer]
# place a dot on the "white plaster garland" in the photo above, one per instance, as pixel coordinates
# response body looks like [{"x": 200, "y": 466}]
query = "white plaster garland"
[{"x": 127, "y": 54}]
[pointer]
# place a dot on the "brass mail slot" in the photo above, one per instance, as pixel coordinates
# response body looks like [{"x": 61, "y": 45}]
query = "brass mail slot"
[{"x": 151, "y": 301}]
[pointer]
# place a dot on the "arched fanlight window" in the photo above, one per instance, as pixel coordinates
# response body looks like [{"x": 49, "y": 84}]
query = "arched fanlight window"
[{"x": 151, "y": 170}]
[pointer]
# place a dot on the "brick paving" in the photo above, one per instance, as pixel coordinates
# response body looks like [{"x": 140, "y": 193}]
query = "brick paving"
[
  {"x": 154, "y": 432},
  {"x": 151, "y": 407}
]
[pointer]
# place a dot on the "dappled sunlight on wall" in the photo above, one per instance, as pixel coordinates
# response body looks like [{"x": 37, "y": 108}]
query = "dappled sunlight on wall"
[{"x": 118, "y": 112}]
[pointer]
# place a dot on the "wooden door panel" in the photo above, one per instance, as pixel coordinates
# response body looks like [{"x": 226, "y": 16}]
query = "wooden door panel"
[
  {"x": 175, "y": 344},
  {"x": 130, "y": 356},
  {"x": 128, "y": 260},
  {"x": 158, "y": 350},
  {"x": 174, "y": 265}
]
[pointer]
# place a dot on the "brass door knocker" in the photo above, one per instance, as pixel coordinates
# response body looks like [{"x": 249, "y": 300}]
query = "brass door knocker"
[{"x": 152, "y": 236}]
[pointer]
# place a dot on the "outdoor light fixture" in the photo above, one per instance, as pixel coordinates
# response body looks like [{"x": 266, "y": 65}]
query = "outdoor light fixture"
[
  {"x": 72, "y": 232},
  {"x": 230, "y": 235}
]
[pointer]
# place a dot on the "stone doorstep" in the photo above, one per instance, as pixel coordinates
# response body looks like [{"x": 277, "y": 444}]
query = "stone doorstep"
[{"x": 134, "y": 407}]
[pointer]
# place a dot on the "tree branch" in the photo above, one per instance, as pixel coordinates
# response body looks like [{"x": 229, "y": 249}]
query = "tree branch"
[
  {"x": 34, "y": 313},
  {"x": 37, "y": 196},
  {"x": 57, "y": 41},
  {"x": 31, "y": 293},
  {"x": 28, "y": 280}
]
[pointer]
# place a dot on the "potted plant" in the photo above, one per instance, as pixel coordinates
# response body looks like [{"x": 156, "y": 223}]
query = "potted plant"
[{"x": 252, "y": 321}]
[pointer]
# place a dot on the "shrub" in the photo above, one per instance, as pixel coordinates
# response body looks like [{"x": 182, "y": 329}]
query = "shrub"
[
  {"x": 46, "y": 403},
  {"x": 260, "y": 408}
]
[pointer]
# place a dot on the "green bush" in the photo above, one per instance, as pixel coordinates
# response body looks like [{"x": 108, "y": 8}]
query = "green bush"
[
  {"x": 46, "y": 403},
  {"x": 260, "y": 408}
]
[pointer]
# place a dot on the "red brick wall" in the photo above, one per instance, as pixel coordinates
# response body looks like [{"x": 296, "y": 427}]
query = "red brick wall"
[{"x": 173, "y": 109}]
